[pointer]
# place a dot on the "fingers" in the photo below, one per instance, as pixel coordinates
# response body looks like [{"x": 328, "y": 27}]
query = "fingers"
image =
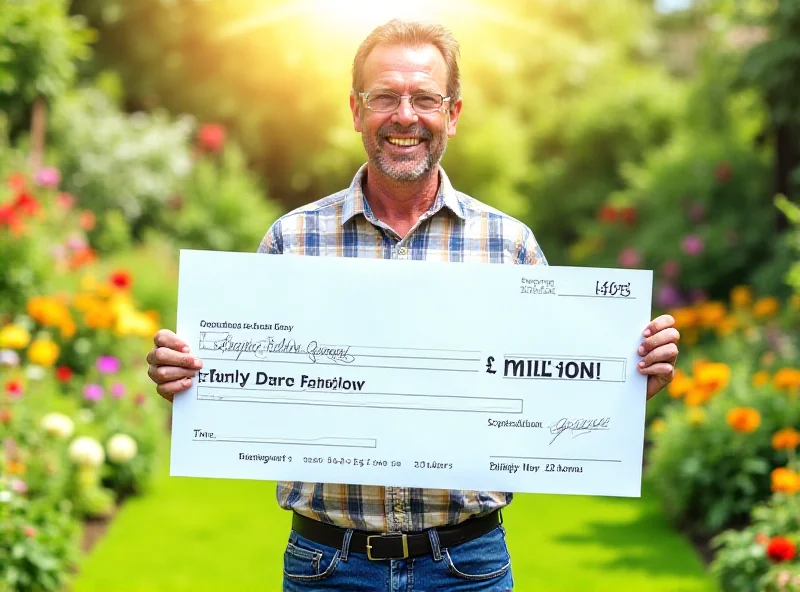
[
  {"x": 168, "y": 339},
  {"x": 660, "y": 368},
  {"x": 659, "y": 339},
  {"x": 168, "y": 390},
  {"x": 164, "y": 356},
  {"x": 664, "y": 353},
  {"x": 162, "y": 374},
  {"x": 659, "y": 324}
]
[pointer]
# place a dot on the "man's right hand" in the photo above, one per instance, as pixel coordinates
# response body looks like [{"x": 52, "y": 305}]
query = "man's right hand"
[{"x": 170, "y": 364}]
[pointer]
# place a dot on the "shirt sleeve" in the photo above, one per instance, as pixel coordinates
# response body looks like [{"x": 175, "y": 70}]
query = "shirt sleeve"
[
  {"x": 530, "y": 253},
  {"x": 272, "y": 243}
]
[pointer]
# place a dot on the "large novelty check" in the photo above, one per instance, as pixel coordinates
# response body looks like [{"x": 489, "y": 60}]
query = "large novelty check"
[{"x": 407, "y": 373}]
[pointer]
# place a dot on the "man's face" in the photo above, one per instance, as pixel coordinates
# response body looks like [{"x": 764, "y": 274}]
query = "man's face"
[{"x": 402, "y": 144}]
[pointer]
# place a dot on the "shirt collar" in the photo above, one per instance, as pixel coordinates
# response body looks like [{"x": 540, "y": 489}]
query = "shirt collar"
[{"x": 355, "y": 203}]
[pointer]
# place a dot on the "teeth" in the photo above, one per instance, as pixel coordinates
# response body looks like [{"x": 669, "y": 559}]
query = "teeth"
[{"x": 404, "y": 141}]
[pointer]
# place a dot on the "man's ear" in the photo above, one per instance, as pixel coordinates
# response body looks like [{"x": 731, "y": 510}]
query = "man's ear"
[
  {"x": 355, "y": 107},
  {"x": 453, "y": 115}
]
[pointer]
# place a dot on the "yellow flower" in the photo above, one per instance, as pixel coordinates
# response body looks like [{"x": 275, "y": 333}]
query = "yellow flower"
[
  {"x": 743, "y": 419},
  {"x": 727, "y": 326},
  {"x": 50, "y": 312},
  {"x": 786, "y": 379},
  {"x": 99, "y": 317},
  {"x": 696, "y": 416},
  {"x": 680, "y": 384},
  {"x": 712, "y": 377},
  {"x": 760, "y": 378},
  {"x": 766, "y": 307},
  {"x": 658, "y": 425},
  {"x": 785, "y": 480},
  {"x": 14, "y": 337},
  {"x": 685, "y": 318},
  {"x": 696, "y": 396},
  {"x": 786, "y": 439},
  {"x": 741, "y": 296},
  {"x": 88, "y": 283},
  {"x": 68, "y": 329},
  {"x": 43, "y": 352},
  {"x": 711, "y": 314}
]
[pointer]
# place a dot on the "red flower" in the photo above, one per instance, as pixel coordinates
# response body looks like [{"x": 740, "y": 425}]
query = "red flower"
[
  {"x": 723, "y": 172},
  {"x": 781, "y": 549},
  {"x": 63, "y": 373},
  {"x": 121, "y": 279},
  {"x": 14, "y": 388},
  {"x": 628, "y": 215},
  {"x": 17, "y": 182},
  {"x": 211, "y": 137},
  {"x": 607, "y": 214},
  {"x": 26, "y": 204},
  {"x": 8, "y": 216}
]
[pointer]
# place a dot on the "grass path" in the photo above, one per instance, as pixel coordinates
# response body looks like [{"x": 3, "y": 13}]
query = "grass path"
[{"x": 216, "y": 535}]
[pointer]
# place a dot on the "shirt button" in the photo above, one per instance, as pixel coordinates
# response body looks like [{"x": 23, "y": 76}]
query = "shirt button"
[{"x": 403, "y": 251}]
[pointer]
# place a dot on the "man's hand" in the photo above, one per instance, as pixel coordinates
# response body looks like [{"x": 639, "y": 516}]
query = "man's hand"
[
  {"x": 660, "y": 352},
  {"x": 171, "y": 366}
]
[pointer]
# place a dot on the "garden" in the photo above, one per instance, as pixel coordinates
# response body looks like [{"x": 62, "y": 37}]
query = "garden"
[{"x": 658, "y": 139}]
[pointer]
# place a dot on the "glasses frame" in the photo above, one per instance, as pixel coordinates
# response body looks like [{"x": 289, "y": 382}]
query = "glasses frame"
[{"x": 440, "y": 109}]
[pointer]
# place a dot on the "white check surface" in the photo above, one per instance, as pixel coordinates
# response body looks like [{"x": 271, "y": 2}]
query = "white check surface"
[{"x": 418, "y": 374}]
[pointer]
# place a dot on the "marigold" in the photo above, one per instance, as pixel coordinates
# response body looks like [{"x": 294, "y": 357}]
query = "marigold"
[
  {"x": 743, "y": 419},
  {"x": 14, "y": 337},
  {"x": 711, "y": 314},
  {"x": 741, "y": 296},
  {"x": 781, "y": 549},
  {"x": 766, "y": 307},
  {"x": 712, "y": 377},
  {"x": 760, "y": 378},
  {"x": 680, "y": 385},
  {"x": 15, "y": 467},
  {"x": 786, "y": 439},
  {"x": 727, "y": 326},
  {"x": 99, "y": 318},
  {"x": 685, "y": 318},
  {"x": 48, "y": 311},
  {"x": 696, "y": 396},
  {"x": 785, "y": 480},
  {"x": 43, "y": 352},
  {"x": 786, "y": 379}
]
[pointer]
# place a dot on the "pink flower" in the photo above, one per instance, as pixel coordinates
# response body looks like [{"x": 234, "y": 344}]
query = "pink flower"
[
  {"x": 692, "y": 245},
  {"x": 108, "y": 364},
  {"x": 19, "y": 486},
  {"x": 93, "y": 392},
  {"x": 669, "y": 297},
  {"x": 117, "y": 390},
  {"x": 629, "y": 258},
  {"x": 47, "y": 177},
  {"x": 65, "y": 200},
  {"x": 671, "y": 269},
  {"x": 211, "y": 137}
]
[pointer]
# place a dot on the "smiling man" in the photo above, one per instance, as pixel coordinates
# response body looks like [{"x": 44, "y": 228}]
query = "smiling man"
[{"x": 406, "y": 103}]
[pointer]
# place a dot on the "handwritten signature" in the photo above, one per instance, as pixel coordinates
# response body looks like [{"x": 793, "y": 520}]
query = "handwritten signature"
[
  {"x": 264, "y": 347},
  {"x": 579, "y": 426}
]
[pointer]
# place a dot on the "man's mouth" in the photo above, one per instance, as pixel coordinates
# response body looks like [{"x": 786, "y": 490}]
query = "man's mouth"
[{"x": 397, "y": 141}]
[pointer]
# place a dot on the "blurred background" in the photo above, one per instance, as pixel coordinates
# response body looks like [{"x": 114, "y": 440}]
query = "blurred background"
[{"x": 626, "y": 133}]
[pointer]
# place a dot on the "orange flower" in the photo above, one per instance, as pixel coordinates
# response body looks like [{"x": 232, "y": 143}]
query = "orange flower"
[
  {"x": 741, "y": 296},
  {"x": 766, "y": 307},
  {"x": 711, "y": 314},
  {"x": 685, "y": 318},
  {"x": 712, "y": 377},
  {"x": 15, "y": 467},
  {"x": 87, "y": 220},
  {"x": 786, "y": 439},
  {"x": 760, "y": 378},
  {"x": 697, "y": 396},
  {"x": 727, "y": 326},
  {"x": 743, "y": 419},
  {"x": 99, "y": 318},
  {"x": 785, "y": 480},
  {"x": 680, "y": 384},
  {"x": 786, "y": 379}
]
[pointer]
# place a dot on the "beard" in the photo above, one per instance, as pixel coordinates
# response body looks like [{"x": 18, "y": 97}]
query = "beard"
[{"x": 405, "y": 167}]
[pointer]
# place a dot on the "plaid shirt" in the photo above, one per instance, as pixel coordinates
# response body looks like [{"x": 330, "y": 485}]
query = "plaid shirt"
[{"x": 455, "y": 228}]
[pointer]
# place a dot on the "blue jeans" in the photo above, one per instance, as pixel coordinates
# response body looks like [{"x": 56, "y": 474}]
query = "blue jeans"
[{"x": 480, "y": 564}]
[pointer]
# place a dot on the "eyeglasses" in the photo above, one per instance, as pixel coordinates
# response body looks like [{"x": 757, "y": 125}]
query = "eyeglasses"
[{"x": 384, "y": 101}]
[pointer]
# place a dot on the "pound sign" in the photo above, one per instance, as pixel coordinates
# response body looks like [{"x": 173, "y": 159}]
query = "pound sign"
[{"x": 489, "y": 361}]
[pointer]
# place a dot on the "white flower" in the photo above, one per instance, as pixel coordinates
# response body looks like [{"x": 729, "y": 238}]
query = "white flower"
[
  {"x": 34, "y": 372},
  {"x": 121, "y": 448},
  {"x": 5, "y": 496},
  {"x": 8, "y": 357},
  {"x": 85, "y": 416},
  {"x": 58, "y": 425},
  {"x": 86, "y": 451}
]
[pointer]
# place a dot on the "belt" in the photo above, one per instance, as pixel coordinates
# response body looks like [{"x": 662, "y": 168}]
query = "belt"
[{"x": 395, "y": 545}]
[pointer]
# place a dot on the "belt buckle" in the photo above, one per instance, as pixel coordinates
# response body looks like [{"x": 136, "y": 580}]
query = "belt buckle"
[{"x": 404, "y": 539}]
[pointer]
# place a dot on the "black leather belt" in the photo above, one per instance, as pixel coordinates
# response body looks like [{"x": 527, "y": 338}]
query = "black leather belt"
[{"x": 395, "y": 545}]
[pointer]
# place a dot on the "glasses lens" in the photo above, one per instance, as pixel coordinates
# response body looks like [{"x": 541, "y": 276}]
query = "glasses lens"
[
  {"x": 383, "y": 101},
  {"x": 426, "y": 103}
]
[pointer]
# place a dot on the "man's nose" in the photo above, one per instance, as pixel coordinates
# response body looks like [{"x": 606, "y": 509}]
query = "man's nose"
[{"x": 405, "y": 113}]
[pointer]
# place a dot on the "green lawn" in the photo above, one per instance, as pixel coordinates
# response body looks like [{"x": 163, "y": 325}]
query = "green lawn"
[{"x": 215, "y": 535}]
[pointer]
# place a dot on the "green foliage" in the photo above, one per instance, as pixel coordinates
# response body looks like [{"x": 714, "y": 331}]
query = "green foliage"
[
  {"x": 39, "y": 49},
  {"x": 114, "y": 161},
  {"x": 37, "y": 544},
  {"x": 792, "y": 212},
  {"x": 741, "y": 563}
]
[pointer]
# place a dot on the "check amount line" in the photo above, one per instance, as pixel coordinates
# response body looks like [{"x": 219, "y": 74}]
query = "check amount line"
[
  {"x": 557, "y": 458},
  {"x": 598, "y": 296},
  {"x": 342, "y": 365}
]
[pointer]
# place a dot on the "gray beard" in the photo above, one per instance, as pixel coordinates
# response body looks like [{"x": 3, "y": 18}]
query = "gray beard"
[{"x": 394, "y": 169}]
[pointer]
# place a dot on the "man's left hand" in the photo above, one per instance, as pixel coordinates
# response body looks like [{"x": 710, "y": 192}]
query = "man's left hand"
[{"x": 660, "y": 352}]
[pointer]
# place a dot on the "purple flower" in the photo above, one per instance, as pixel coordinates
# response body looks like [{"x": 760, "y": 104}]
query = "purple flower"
[
  {"x": 671, "y": 269},
  {"x": 93, "y": 392},
  {"x": 692, "y": 245},
  {"x": 698, "y": 295},
  {"x": 629, "y": 258},
  {"x": 108, "y": 364},
  {"x": 669, "y": 297},
  {"x": 117, "y": 390},
  {"x": 47, "y": 177}
]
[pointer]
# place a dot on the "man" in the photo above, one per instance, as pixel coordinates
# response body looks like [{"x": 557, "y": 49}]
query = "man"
[{"x": 405, "y": 103}]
